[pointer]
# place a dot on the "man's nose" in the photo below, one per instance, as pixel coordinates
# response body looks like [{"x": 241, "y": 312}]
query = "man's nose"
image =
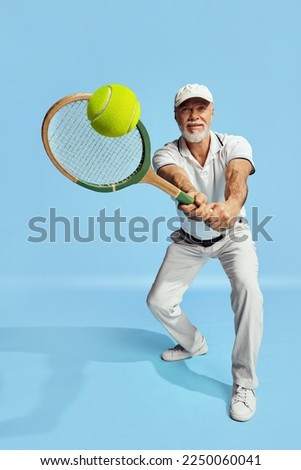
[{"x": 194, "y": 114}]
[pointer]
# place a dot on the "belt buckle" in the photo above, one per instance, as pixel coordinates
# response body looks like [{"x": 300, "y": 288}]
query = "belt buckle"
[{"x": 207, "y": 243}]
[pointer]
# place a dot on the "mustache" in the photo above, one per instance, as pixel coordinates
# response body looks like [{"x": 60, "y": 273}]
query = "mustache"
[{"x": 193, "y": 122}]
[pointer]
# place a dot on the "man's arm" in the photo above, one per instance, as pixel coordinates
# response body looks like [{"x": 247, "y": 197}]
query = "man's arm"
[
  {"x": 221, "y": 215},
  {"x": 179, "y": 178},
  {"x": 236, "y": 189}
]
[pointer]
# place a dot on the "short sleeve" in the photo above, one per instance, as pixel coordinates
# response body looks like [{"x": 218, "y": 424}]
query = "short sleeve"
[
  {"x": 239, "y": 147},
  {"x": 168, "y": 155}
]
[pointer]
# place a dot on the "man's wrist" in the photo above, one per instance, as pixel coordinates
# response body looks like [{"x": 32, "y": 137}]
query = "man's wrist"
[{"x": 233, "y": 205}]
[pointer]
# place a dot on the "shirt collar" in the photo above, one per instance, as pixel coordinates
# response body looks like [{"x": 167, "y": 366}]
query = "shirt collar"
[{"x": 215, "y": 147}]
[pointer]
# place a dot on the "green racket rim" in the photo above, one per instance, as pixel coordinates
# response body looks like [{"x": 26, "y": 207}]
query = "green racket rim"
[{"x": 135, "y": 177}]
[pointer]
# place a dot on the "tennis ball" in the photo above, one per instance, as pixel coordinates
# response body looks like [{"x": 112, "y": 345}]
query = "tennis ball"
[{"x": 113, "y": 110}]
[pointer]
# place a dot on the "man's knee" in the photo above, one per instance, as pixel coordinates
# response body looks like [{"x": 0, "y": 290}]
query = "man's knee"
[
  {"x": 155, "y": 302},
  {"x": 247, "y": 291},
  {"x": 244, "y": 281},
  {"x": 151, "y": 301},
  {"x": 160, "y": 305}
]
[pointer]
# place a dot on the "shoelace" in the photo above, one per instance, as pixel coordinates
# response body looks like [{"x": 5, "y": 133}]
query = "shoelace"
[
  {"x": 178, "y": 347},
  {"x": 241, "y": 394}
]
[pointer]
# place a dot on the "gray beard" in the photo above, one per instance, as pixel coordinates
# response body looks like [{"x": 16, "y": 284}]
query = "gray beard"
[{"x": 196, "y": 137}]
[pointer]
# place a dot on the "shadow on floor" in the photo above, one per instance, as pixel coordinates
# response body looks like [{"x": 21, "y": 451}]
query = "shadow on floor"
[{"x": 70, "y": 349}]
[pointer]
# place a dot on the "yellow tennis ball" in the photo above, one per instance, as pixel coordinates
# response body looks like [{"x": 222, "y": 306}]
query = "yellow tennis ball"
[{"x": 113, "y": 110}]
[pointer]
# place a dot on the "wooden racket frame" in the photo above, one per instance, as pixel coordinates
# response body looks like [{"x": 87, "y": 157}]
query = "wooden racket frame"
[{"x": 145, "y": 173}]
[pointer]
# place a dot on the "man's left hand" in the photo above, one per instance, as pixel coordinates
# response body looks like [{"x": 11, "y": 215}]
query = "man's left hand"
[
  {"x": 220, "y": 215},
  {"x": 217, "y": 215}
]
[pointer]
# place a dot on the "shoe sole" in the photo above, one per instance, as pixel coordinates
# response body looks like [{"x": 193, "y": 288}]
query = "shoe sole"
[{"x": 240, "y": 418}]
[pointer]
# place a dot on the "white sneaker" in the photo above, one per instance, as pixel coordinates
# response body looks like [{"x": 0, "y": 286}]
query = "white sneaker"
[
  {"x": 178, "y": 353},
  {"x": 243, "y": 403}
]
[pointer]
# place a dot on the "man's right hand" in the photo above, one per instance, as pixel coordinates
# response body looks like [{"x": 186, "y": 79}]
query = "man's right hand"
[{"x": 198, "y": 209}]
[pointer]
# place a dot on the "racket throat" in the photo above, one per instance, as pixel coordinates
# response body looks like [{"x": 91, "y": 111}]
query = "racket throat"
[{"x": 152, "y": 178}]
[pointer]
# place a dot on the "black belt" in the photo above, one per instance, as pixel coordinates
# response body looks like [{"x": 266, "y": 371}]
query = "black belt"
[{"x": 198, "y": 241}]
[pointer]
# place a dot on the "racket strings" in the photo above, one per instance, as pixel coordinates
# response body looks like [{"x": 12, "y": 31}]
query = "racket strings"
[{"x": 87, "y": 155}]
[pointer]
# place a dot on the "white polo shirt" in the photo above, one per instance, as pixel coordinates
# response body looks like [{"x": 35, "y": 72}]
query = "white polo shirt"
[{"x": 208, "y": 179}]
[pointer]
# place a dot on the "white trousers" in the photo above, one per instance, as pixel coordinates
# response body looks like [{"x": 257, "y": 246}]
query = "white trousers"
[{"x": 183, "y": 260}]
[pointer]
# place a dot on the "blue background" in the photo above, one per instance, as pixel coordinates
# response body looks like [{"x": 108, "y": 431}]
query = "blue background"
[{"x": 79, "y": 351}]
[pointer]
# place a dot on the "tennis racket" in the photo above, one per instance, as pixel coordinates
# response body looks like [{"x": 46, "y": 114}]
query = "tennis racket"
[{"x": 94, "y": 161}]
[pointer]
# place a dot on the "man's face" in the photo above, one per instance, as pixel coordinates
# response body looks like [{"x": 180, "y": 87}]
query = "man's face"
[{"x": 194, "y": 118}]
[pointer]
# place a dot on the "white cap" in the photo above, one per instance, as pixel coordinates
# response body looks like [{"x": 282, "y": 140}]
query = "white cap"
[{"x": 193, "y": 91}]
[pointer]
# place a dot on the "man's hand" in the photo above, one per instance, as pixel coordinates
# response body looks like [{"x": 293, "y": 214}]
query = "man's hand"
[
  {"x": 221, "y": 215},
  {"x": 217, "y": 215},
  {"x": 198, "y": 209}
]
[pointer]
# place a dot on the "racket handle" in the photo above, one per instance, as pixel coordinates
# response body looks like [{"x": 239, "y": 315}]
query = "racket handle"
[
  {"x": 183, "y": 198},
  {"x": 152, "y": 178}
]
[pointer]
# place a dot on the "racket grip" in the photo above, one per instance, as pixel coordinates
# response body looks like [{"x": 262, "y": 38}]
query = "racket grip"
[{"x": 183, "y": 198}]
